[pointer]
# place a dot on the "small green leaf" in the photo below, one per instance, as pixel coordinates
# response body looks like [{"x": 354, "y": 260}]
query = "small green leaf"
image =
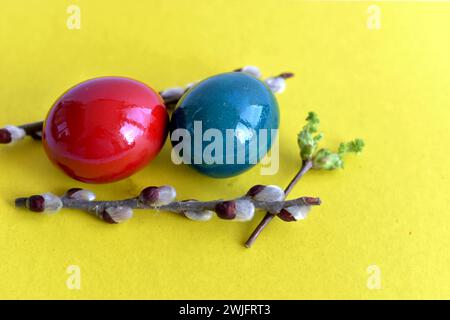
[
  {"x": 355, "y": 146},
  {"x": 306, "y": 141},
  {"x": 324, "y": 158},
  {"x": 328, "y": 160},
  {"x": 318, "y": 137},
  {"x": 313, "y": 122}
]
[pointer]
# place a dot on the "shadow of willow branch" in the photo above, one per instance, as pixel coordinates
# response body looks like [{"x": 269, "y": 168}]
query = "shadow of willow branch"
[{"x": 171, "y": 96}]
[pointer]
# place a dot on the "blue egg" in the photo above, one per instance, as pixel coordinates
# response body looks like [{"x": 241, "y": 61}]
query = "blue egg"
[{"x": 225, "y": 124}]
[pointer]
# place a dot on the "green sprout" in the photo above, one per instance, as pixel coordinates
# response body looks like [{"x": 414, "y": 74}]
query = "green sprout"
[
  {"x": 323, "y": 159},
  {"x": 313, "y": 158},
  {"x": 306, "y": 139}
]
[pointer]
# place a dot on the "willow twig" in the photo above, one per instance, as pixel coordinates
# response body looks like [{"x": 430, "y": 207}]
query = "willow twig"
[
  {"x": 163, "y": 198},
  {"x": 176, "y": 206},
  {"x": 170, "y": 97},
  {"x": 306, "y": 166}
]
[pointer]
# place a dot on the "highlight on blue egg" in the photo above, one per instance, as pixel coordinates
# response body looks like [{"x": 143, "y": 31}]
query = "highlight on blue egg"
[{"x": 224, "y": 125}]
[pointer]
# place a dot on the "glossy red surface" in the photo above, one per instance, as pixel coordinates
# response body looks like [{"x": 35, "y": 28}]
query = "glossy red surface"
[{"x": 105, "y": 129}]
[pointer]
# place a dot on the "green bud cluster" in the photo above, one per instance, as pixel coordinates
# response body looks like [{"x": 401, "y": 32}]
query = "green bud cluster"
[
  {"x": 306, "y": 139},
  {"x": 323, "y": 159}
]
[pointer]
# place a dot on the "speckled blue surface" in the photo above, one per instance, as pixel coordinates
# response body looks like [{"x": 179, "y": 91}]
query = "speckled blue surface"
[{"x": 234, "y": 101}]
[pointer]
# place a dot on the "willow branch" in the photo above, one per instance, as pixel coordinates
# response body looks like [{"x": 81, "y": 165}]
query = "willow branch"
[
  {"x": 175, "y": 206},
  {"x": 306, "y": 166},
  {"x": 170, "y": 97}
]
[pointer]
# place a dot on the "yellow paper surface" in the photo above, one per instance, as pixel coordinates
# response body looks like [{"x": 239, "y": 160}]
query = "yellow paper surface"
[{"x": 383, "y": 229}]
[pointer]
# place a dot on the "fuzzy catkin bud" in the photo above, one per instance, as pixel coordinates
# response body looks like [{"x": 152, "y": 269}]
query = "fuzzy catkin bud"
[
  {"x": 115, "y": 215},
  {"x": 294, "y": 213},
  {"x": 252, "y": 70},
  {"x": 158, "y": 196},
  {"x": 276, "y": 85},
  {"x": 80, "y": 194},
  {"x": 166, "y": 195},
  {"x": 266, "y": 193},
  {"x": 199, "y": 215},
  {"x": 226, "y": 210},
  {"x": 5, "y": 136},
  {"x": 47, "y": 202},
  {"x": 245, "y": 210},
  {"x": 190, "y": 85},
  {"x": 36, "y": 203},
  {"x": 11, "y": 134},
  {"x": 52, "y": 202},
  {"x": 203, "y": 215},
  {"x": 240, "y": 210},
  {"x": 173, "y": 94},
  {"x": 149, "y": 195},
  {"x": 255, "y": 190}
]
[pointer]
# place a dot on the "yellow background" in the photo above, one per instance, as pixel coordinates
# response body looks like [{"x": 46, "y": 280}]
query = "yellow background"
[{"x": 389, "y": 207}]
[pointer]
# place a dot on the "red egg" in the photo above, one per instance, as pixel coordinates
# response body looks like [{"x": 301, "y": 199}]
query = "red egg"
[{"x": 105, "y": 129}]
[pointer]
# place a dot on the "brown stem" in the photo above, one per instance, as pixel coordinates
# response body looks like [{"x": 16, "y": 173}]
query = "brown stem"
[
  {"x": 286, "y": 75},
  {"x": 306, "y": 166},
  {"x": 34, "y": 129}
]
